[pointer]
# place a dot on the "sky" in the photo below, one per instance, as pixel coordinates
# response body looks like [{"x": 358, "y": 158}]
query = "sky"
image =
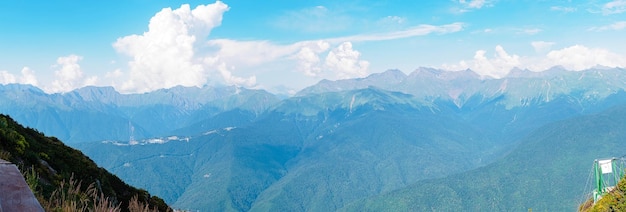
[{"x": 283, "y": 46}]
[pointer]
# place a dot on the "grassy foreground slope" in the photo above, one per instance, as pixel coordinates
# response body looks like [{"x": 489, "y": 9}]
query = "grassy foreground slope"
[
  {"x": 51, "y": 165},
  {"x": 546, "y": 172}
]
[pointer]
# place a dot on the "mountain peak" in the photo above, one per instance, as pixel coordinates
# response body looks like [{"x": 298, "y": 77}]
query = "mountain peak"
[
  {"x": 107, "y": 94},
  {"x": 391, "y": 73},
  {"x": 556, "y": 69},
  {"x": 21, "y": 87},
  {"x": 521, "y": 73},
  {"x": 425, "y": 71}
]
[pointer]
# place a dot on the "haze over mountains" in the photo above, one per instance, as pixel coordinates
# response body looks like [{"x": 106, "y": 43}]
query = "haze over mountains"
[{"x": 387, "y": 139}]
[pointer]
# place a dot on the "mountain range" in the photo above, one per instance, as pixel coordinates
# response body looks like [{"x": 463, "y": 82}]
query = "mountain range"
[
  {"x": 431, "y": 139},
  {"x": 100, "y": 113}
]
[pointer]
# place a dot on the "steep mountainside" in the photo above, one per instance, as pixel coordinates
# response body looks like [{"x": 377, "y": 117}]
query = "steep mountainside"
[
  {"x": 546, "y": 172},
  {"x": 53, "y": 162}
]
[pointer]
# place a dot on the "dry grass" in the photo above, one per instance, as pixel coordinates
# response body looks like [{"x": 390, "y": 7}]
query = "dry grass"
[
  {"x": 70, "y": 196},
  {"x": 4, "y": 155},
  {"x": 136, "y": 206}
]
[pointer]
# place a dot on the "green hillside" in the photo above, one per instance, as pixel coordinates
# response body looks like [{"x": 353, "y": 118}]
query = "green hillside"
[
  {"x": 546, "y": 172},
  {"x": 50, "y": 165},
  {"x": 613, "y": 201}
]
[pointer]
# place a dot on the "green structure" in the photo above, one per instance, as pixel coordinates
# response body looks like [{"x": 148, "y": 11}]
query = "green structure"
[{"x": 607, "y": 172}]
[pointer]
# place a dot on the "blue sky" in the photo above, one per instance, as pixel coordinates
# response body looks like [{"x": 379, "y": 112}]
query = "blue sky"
[{"x": 141, "y": 45}]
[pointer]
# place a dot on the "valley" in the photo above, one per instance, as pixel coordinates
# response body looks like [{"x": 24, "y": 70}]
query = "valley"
[{"x": 431, "y": 139}]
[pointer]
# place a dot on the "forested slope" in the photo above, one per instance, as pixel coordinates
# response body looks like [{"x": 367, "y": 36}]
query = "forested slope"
[{"x": 52, "y": 168}]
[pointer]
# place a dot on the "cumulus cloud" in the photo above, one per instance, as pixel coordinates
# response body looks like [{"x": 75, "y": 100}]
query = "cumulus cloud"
[
  {"x": 234, "y": 80},
  {"x": 579, "y": 57},
  {"x": 345, "y": 61},
  {"x": 27, "y": 77},
  {"x": 165, "y": 55},
  {"x": 69, "y": 75},
  {"x": 541, "y": 46},
  {"x": 175, "y": 50},
  {"x": 497, "y": 66},
  {"x": 308, "y": 59},
  {"x": 7, "y": 78},
  {"x": 620, "y": 25},
  {"x": 614, "y": 7}
]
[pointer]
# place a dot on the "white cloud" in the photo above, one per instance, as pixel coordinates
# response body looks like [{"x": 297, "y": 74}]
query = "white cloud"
[
  {"x": 620, "y": 25},
  {"x": 308, "y": 61},
  {"x": 27, "y": 77},
  {"x": 563, "y": 9},
  {"x": 345, "y": 61},
  {"x": 509, "y": 31},
  {"x": 340, "y": 62},
  {"x": 307, "y": 54},
  {"x": 247, "y": 54},
  {"x": 234, "y": 80},
  {"x": 412, "y": 32},
  {"x": 117, "y": 73},
  {"x": 175, "y": 51},
  {"x": 250, "y": 52},
  {"x": 7, "y": 78},
  {"x": 308, "y": 58},
  {"x": 90, "y": 81},
  {"x": 541, "y": 46},
  {"x": 70, "y": 69},
  {"x": 573, "y": 58},
  {"x": 614, "y": 7},
  {"x": 165, "y": 55},
  {"x": 474, "y": 4},
  {"x": 114, "y": 78},
  {"x": 497, "y": 66},
  {"x": 469, "y": 5},
  {"x": 579, "y": 57},
  {"x": 69, "y": 75}
]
